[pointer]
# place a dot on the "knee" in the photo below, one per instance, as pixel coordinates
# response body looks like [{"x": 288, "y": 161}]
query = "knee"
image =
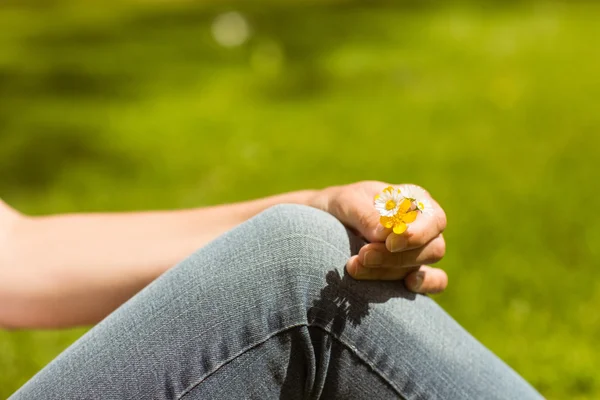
[
  {"x": 281, "y": 259},
  {"x": 304, "y": 231},
  {"x": 299, "y": 241}
]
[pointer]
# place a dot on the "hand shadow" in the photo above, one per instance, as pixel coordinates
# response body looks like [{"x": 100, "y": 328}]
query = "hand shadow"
[{"x": 345, "y": 299}]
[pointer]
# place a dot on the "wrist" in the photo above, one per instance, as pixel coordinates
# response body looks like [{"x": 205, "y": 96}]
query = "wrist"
[{"x": 322, "y": 198}]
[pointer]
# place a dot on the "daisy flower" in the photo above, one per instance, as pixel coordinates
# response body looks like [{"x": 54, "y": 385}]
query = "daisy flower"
[
  {"x": 388, "y": 202},
  {"x": 399, "y": 222},
  {"x": 424, "y": 205},
  {"x": 418, "y": 198}
]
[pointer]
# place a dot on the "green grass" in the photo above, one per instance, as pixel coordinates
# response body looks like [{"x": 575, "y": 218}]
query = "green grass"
[{"x": 493, "y": 108}]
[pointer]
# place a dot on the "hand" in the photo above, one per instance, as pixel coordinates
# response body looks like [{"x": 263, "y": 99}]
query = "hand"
[{"x": 388, "y": 256}]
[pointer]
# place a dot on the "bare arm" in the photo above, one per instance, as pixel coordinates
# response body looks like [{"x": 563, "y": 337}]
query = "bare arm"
[{"x": 74, "y": 269}]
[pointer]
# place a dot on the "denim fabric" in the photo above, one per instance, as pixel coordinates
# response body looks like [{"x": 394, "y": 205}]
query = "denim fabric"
[{"x": 266, "y": 311}]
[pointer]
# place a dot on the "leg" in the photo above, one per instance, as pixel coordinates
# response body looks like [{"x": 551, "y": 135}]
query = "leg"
[{"x": 266, "y": 311}]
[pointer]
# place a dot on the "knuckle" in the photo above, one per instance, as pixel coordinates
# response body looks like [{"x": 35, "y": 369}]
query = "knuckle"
[
  {"x": 440, "y": 285},
  {"x": 363, "y": 220},
  {"x": 415, "y": 238},
  {"x": 364, "y": 250},
  {"x": 442, "y": 220},
  {"x": 438, "y": 250}
]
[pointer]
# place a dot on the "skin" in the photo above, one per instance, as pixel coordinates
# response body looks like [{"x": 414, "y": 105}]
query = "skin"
[
  {"x": 74, "y": 269},
  {"x": 389, "y": 256}
]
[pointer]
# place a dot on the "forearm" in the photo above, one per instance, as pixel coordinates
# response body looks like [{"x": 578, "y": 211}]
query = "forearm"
[{"x": 74, "y": 269}]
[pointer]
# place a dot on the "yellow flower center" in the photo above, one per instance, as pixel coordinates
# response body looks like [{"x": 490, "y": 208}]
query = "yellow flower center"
[{"x": 390, "y": 205}]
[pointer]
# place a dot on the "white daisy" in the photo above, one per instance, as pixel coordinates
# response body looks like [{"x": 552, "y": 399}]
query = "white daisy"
[
  {"x": 388, "y": 202},
  {"x": 424, "y": 205},
  {"x": 418, "y": 196}
]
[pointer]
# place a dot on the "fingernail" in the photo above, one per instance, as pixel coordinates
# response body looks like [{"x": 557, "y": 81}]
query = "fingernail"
[
  {"x": 419, "y": 276},
  {"x": 397, "y": 243},
  {"x": 373, "y": 258},
  {"x": 380, "y": 229}
]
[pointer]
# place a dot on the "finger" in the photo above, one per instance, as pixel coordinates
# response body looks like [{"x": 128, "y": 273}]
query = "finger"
[
  {"x": 363, "y": 220},
  {"x": 376, "y": 255},
  {"x": 379, "y": 234},
  {"x": 426, "y": 280},
  {"x": 371, "y": 228},
  {"x": 425, "y": 228},
  {"x": 357, "y": 271}
]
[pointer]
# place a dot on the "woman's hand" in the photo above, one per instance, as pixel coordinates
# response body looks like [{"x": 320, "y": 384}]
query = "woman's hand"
[{"x": 388, "y": 256}]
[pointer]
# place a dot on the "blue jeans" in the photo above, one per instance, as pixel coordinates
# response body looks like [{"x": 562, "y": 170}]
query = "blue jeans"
[{"x": 266, "y": 311}]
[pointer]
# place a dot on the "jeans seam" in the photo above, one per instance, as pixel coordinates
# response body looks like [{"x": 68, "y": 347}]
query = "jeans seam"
[
  {"x": 353, "y": 349},
  {"x": 238, "y": 354},
  {"x": 281, "y": 239},
  {"x": 364, "y": 359},
  {"x": 361, "y": 357},
  {"x": 181, "y": 294}
]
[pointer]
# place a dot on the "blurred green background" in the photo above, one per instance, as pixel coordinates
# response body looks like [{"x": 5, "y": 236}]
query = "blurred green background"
[{"x": 491, "y": 106}]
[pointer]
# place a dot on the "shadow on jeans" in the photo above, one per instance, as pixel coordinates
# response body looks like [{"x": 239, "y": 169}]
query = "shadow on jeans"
[{"x": 345, "y": 299}]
